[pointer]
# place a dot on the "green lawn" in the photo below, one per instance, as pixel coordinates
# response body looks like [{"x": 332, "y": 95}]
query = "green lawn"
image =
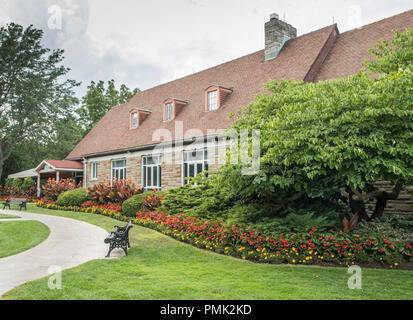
[
  {"x": 19, "y": 236},
  {"x": 159, "y": 267},
  {"x": 6, "y": 216}
]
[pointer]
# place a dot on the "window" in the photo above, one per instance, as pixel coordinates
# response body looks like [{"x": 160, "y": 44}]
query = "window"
[
  {"x": 151, "y": 175},
  {"x": 94, "y": 171},
  {"x": 169, "y": 109},
  {"x": 213, "y": 100},
  {"x": 118, "y": 169},
  {"x": 134, "y": 120},
  {"x": 194, "y": 163}
]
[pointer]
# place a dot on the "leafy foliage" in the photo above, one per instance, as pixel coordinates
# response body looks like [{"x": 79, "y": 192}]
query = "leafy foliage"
[
  {"x": 395, "y": 227},
  {"x": 323, "y": 139},
  {"x": 201, "y": 200},
  {"x": 116, "y": 192},
  {"x": 52, "y": 189},
  {"x": 74, "y": 197},
  {"x": 28, "y": 183},
  {"x": 100, "y": 99},
  {"x": 153, "y": 201},
  {"x": 32, "y": 92},
  {"x": 390, "y": 57}
]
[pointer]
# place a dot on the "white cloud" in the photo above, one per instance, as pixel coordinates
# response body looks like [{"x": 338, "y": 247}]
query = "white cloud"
[{"x": 144, "y": 43}]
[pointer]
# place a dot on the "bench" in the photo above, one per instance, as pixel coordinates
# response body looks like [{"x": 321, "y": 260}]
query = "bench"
[
  {"x": 16, "y": 201},
  {"x": 119, "y": 238}
]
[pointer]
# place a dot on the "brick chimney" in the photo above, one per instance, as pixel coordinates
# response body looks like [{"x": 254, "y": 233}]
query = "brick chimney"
[{"x": 277, "y": 33}]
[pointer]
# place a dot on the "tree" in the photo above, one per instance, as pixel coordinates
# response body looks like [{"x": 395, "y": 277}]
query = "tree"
[
  {"x": 392, "y": 56},
  {"x": 336, "y": 136},
  {"x": 99, "y": 99},
  {"x": 32, "y": 94}
]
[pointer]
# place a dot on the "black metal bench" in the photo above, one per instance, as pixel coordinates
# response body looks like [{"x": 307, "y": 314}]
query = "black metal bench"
[
  {"x": 119, "y": 239},
  {"x": 16, "y": 201}
]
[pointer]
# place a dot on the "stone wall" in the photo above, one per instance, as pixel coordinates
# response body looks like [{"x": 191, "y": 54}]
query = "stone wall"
[
  {"x": 404, "y": 204},
  {"x": 171, "y": 168}
]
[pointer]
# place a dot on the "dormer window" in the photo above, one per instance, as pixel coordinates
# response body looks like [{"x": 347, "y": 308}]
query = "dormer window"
[
  {"x": 215, "y": 97},
  {"x": 172, "y": 107},
  {"x": 137, "y": 116},
  {"x": 134, "y": 120},
  {"x": 213, "y": 100}
]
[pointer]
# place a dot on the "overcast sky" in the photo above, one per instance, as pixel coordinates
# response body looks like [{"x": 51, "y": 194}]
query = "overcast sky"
[{"x": 146, "y": 43}]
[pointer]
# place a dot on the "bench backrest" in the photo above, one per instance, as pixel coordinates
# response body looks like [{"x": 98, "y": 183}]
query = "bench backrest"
[{"x": 17, "y": 200}]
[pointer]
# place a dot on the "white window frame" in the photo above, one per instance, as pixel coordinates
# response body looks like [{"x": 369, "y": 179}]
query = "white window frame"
[
  {"x": 94, "y": 171},
  {"x": 134, "y": 121},
  {"x": 146, "y": 168},
  {"x": 213, "y": 103},
  {"x": 204, "y": 162},
  {"x": 114, "y": 170},
  {"x": 169, "y": 111}
]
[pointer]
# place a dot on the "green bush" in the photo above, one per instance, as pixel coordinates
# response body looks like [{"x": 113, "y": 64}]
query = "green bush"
[
  {"x": 399, "y": 228},
  {"x": 134, "y": 204},
  {"x": 27, "y": 183},
  {"x": 202, "y": 201},
  {"x": 8, "y": 183},
  {"x": 17, "y": 183},
  {"x": 73, "y": 197}
]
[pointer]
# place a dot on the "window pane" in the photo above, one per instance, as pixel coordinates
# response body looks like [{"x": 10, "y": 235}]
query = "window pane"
[
  {"x": 134, "y": 123},
  {"x": 191, "y": 170},
  {"x": 213, "y": 100},
  {"x": 155, "y": 176},
  {"x": 199, "y": 168},
  {"x": 169, "y": 111},
  {"x": 149, "y": 177}
]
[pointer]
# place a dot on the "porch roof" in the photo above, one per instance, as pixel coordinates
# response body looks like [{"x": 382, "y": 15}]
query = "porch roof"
[{"x": 60, "y": 165}]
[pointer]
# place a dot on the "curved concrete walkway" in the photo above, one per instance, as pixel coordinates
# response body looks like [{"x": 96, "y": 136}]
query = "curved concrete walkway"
[{"x": 70, "y": 243}]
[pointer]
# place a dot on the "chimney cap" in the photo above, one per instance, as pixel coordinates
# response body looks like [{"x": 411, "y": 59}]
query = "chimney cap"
[{"x": 274, "y": 16}]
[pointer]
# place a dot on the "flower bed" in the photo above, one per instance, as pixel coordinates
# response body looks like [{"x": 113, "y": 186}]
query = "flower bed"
[
  {"x": 338, "y": 248},
  {"x": 112, "y": 211}
]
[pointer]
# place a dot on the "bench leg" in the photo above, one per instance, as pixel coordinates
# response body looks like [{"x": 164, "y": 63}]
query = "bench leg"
[
  {"x": 125, "y": 248},
  {"x": 110, "y": 250}
]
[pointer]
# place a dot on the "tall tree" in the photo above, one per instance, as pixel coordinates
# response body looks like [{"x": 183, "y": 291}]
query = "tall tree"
[
  {"x": 32, "y": 93},
  {"x": 324, "y": 138},
  {"x": 99, "y": 99}
]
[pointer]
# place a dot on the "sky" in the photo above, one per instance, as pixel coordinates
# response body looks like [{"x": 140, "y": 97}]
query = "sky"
[{"x": 146, "y": 43}]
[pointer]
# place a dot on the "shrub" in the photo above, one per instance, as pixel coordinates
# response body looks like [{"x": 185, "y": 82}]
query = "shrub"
[
  {"x": 72, "y": 198},
  {"x": 17, "y": 183},
  {"x": 28, "y": 183},
  {"x": 8, "y": 183},
  {"x": 153, "y": 201},
  {"x": 134, "y": 204},
  {"x": 395, "y": 227},
  {"x": 202, "y": 200},
  {"x": 52, "y": 189},
  {"x": 116, "y": 192}
]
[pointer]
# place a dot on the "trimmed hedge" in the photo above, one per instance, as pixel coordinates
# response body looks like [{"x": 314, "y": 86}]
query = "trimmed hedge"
[
  {"x": 72, "y": 198},
  {"x": 134, "y": 204}
]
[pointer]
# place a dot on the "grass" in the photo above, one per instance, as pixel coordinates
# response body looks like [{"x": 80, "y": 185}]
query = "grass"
[
  {"x": 159, "y": 267},
  {"x": 19, "y": 236},
  {"x": 6, "y": 216}
]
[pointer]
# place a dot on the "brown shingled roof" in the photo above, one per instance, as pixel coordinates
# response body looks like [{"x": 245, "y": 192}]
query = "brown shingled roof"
[
  {"x": 318, "y": 55},
  {"x": 351, "y": 47},
  {"x": 245, "y": 75}
]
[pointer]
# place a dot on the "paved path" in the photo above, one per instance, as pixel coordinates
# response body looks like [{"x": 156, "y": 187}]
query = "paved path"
[{"x": 70, "y": 243}]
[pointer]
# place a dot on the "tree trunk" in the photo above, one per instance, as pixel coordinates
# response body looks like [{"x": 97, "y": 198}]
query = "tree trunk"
[
  {"x": 357, "y": 206},
  {"x": 382, "y": 198}
]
